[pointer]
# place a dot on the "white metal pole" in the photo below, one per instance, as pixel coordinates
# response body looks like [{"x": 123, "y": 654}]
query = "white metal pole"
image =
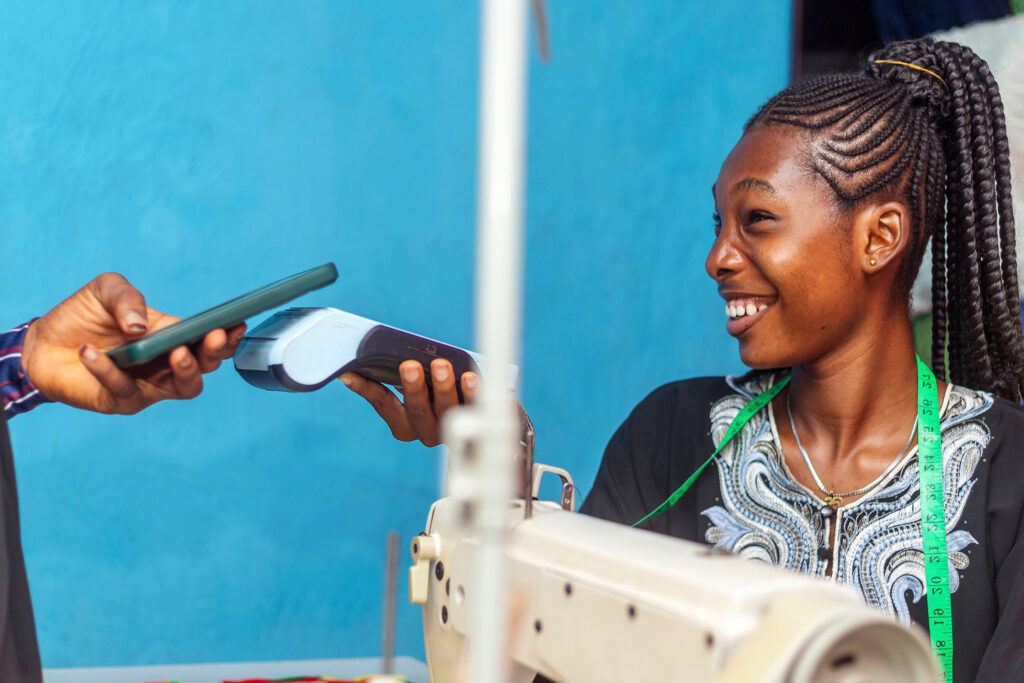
[{"x": 498, "y": 306}]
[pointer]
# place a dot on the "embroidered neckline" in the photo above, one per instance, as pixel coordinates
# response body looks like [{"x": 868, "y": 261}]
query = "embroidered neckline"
[
  {"x": 879, "y": 486},
  {"x": 764, "y": 514}
]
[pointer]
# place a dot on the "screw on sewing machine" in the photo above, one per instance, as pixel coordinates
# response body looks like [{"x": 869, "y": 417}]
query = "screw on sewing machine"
[
  {"x": 846, "y": 660},
  {"x": 568, "y": 589},
  {"x": 567, "y": 498},
  {"x": 439, "y": 570}
]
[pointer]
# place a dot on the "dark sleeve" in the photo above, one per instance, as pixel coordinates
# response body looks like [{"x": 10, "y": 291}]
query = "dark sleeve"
[
  {"x": 652, "y": 452},
  {"x": 1004, "y": 656},
  {"x": 19, "y": 651},
  {"x": 626, "y": 486}
]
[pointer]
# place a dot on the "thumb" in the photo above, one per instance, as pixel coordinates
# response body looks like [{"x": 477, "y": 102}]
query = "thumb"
[{"x": 123, "y": 302}]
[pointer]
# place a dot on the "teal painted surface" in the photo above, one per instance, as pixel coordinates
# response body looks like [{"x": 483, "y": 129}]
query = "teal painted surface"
[{"x": 203, "y": 148}]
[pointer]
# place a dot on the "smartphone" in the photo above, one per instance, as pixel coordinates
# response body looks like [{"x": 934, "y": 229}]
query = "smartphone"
[{"x": 226, "y": 315}]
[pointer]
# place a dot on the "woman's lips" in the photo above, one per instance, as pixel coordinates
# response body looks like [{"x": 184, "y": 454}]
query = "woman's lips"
[{"x": 746, "y": 311}]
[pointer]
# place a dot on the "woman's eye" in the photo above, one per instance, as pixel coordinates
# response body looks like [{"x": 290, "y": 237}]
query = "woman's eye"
[
  {"x": 716, "y": 220},
  {"x": 758, "y": 216}
]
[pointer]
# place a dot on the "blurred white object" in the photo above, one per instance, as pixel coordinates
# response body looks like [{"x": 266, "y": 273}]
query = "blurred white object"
[{"x": 491, "y": 425}]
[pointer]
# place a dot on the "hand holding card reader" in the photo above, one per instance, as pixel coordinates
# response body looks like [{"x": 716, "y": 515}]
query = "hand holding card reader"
[{"x": 302, "y": 349}]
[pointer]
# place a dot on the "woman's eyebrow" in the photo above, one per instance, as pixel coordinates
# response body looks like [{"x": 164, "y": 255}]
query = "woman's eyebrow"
[
  {"x": 754, "y": 185},
  {"x": 750, "y": 185}
]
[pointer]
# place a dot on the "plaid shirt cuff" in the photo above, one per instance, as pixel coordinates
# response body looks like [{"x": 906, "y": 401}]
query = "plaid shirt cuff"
[{"x": 17, "y": 393}]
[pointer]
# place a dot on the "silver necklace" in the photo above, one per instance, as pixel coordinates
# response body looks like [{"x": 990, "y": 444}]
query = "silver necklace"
[{"x": 831, "y": 497}]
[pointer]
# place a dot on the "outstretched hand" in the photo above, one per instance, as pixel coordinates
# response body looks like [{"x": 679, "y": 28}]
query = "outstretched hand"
[
  {"x": 418, "y": 418},
  {"x": 63, "y": 351}
]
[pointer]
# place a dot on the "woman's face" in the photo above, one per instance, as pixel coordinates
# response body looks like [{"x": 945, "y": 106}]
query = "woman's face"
[{"x": 784, "y": 258}]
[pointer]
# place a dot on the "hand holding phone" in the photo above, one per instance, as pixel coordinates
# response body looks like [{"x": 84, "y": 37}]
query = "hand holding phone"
[
  {"x": 61, "y": 351},
  {"x": 62, "y": 354}
]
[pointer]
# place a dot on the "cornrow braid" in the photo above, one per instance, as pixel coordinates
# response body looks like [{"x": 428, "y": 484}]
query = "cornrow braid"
[{"x": 924, "y": 123}]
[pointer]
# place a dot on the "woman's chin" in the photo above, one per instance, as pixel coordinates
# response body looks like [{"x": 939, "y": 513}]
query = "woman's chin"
[{"x": 761, "y": 358}]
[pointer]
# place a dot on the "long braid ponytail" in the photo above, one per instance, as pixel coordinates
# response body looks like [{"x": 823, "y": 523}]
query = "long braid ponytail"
[{"x": 924, "y": 122}]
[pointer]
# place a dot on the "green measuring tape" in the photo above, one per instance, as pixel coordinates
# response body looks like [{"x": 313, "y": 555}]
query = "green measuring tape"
[
  {"x": 933, "y": 513},
  {"x": 933, "y": 519},
  {"x": 742, "y": 418}
]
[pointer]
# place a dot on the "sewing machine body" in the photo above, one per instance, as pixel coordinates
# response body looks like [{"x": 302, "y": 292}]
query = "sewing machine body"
[{"x": 595, "y": 601}]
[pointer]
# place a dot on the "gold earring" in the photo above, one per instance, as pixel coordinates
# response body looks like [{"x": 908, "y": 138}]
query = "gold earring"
[{"x": 872, "y": 261}]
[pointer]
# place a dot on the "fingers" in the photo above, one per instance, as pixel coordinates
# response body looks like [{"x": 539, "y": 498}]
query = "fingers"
[
  {"x": 122, "y": 388},
  {"x": 417, "y": 403},
  {"x": 235, "y": 335},
  {"x": 219, "y": 345},
  {"x": 419, "y": 417},
  {"x": 445, "y": 394},
  {"x": 470, "y": 381},
  {"x": 384, "y": 402},
  {"x": 124, "y": 303},
  {"x": 210, "y": 351},
  {"x": 184, "y": 380},
  {"x": 186, "y": 373}
]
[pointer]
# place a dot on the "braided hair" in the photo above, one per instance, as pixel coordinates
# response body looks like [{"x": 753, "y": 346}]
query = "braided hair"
[{"x": 923, "y": 123}]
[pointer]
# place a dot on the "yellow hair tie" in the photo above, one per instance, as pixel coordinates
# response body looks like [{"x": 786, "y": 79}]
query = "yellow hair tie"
[{"x": 912, "y": 66}]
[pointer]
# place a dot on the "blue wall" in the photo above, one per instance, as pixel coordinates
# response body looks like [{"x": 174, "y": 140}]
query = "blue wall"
[{"x": 203, "y": 148}]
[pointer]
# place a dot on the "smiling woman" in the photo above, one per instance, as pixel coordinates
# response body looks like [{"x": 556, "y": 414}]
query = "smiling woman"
[{"x": 823, "y": 212}]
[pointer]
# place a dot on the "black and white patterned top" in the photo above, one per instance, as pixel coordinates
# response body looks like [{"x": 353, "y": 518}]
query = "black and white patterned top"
[{"x": 750, "y": 504}]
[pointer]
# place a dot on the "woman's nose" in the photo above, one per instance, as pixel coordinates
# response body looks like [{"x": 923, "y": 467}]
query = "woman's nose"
[{"x": 724, "y": 258}]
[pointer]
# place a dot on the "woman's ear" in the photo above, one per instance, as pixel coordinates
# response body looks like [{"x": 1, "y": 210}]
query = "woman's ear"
[{"x": 885, "y": 231}]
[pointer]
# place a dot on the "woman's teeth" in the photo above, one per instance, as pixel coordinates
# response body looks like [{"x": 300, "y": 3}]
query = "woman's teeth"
[{"x": 738, "y": 308}]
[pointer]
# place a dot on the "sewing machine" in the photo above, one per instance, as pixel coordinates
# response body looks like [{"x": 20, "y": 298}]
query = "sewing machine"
[{"x": 594, "y": 601}]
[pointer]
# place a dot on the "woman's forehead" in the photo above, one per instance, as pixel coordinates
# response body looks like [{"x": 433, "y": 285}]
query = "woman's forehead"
[{"x": 769, "y": 160}]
